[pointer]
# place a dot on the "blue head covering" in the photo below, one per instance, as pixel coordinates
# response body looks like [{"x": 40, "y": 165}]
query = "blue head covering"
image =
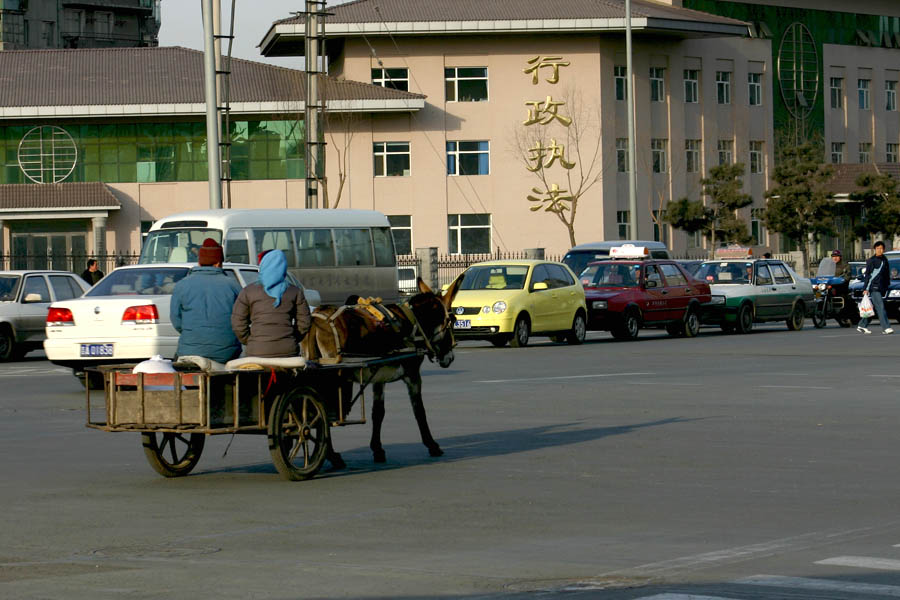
[{"x": 272, "y": 272}]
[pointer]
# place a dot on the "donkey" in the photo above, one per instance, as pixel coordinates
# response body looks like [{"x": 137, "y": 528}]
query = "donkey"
[{"x": 423, "y": 322}]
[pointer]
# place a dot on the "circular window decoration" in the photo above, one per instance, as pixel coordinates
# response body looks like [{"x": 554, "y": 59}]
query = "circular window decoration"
[
  {"x": 798, "y": 70},
  {"x": 47, "y": 154}
]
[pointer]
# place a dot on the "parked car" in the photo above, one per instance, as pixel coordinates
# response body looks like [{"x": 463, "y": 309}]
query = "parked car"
[
  {"x": 511, "y": 301},
  {"x": 892, "y": 297},
  {"x": 747, "y": 291},
  {"x": 577, "y": 258},
  {"x": 25, "y": 297},
  {"x": 125, "y": 317},
  {"x": 628, "y": 293}
]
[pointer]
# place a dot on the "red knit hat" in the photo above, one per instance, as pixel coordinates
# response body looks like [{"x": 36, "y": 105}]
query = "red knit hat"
[{"x": 210, "y": 253}]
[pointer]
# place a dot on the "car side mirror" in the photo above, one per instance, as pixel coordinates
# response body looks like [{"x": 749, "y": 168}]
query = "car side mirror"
[
  {"x": 540, "y": 285},
  {"x": 650, "y": 284},
  {"x": 33, "y": 297}
]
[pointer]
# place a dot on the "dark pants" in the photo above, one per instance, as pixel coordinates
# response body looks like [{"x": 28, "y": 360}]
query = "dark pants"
[{"x": 878, "y": 304}]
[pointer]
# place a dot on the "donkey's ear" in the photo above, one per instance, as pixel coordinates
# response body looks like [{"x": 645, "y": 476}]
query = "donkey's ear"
[
  {"x": 423, "y": 288},
  {"x": 450, "y": 292}
]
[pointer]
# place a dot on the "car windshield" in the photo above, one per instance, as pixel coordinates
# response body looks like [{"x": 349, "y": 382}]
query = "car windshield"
[
  {"x": 578, "y": 261},
  {"x": 9, "y": 286},
  {"x": 895, "y": 268},
  {"x": 176, "y": 245},
  {"x": 611, "y": 275},
  {"x": 142, "y": 282},
  {"x": 495, "y": 277},
  {"x": 725, "y": 272}
]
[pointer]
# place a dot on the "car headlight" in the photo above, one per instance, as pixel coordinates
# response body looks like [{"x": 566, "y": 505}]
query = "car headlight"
[
  {"x": 598, "y": 304},
  {"x": 717, "y": 300},
  {"x": 894, "y": 294},
  {"x": 499, "y": 306}
]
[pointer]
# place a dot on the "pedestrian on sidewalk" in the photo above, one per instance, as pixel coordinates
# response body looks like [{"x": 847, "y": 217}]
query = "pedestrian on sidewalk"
[{"x": 877, "y": 283}]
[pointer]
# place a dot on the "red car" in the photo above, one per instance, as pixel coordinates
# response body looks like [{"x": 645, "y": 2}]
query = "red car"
[{"x": 627, "y": 294}]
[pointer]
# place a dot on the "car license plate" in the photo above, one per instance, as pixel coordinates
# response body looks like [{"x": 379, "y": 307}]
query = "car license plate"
[
  {"x": 96, "y": 350},
  {"x": 467, "y": 324}
]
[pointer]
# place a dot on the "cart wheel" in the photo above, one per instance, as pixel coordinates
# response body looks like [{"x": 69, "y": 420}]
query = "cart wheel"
[
  {"x": 298, "y": 434},
  {"x": 175, "y": 455}
]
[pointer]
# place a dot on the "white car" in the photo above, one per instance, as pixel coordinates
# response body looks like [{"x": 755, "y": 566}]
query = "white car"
[{"x": 125, "y": 317}]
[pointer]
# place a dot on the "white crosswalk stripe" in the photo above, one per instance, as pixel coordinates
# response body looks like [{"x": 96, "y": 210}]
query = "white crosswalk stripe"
[
  {"x": 823, "y": 585},
  {"x": 862, "y": 562}
]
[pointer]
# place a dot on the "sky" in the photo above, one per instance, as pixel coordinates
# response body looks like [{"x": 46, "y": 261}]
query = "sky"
[{"x": 182, "y": 25}]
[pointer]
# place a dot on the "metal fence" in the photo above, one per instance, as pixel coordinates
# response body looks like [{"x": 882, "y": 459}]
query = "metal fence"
[{"x": 75, "y": 263}]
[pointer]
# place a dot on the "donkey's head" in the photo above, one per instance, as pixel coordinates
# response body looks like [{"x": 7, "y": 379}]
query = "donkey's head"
[{"x": 436, "y": 320}]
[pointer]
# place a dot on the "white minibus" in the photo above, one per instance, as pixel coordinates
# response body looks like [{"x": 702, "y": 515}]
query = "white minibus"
[{"x": 340, "y": 253}]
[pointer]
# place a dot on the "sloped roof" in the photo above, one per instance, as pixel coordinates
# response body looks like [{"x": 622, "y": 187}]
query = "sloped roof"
[
  {"x": 372, "y": 11},
  {"x": 843, "y": 182},
  {"x": 161, "y": 75},
  {"x": 57, "y": 196}
]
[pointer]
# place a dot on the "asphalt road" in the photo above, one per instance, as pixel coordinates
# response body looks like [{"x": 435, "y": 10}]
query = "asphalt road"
[{"x": 742, "y": 467}]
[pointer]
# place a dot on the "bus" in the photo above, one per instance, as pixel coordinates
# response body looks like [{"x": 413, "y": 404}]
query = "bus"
[{"x": 339, "y": 253}]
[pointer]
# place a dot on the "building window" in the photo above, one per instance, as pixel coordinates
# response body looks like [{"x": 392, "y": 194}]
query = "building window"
[
  {"x": 695, "y": 240},
  {"x": 723, "y": 87},
  {"x": 837, "y": 92},
  {"x": 468, "y": 158},
  {"x": 691, "y": 85},
  {"x": 754, "y": 85},
  {"x": 692, "y": 156},
  {"x": 865, "y": 152},
  {"x": 395, "y": 78},
  {"x": 863, "y": 88},
  {"x": 659, "y": 227},
  {"x": 757, "y": 229},
  {"x": 469, "y": 234},
  {"x": 48, "y": 36},
  {"x": 837, "y": 152},
  {"x": 466, "y": 84},
  {"x": 103, "y": 24},
  {"x": 401, "y": 230},
  {"x": 890, "y": 95},
  {"x": 622, "y": 223},
  {"x": 726, "y": 151},
  {"x": 891, "y": 153},
  {"x": 658, "y": 149},
  {"x": 756, "y": 157},
  {"x": 657, "y": 84},
  {"x": 391, "y": 159},
  {"x": 622, "y": 155},
  {"x": 620, "y": 74}
]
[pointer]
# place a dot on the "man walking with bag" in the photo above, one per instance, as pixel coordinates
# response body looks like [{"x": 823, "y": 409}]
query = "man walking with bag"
[{"x": 877, "y": 283}]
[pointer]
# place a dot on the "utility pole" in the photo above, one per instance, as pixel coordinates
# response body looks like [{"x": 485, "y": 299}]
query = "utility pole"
[
  {"x": 315, "y": 103},
  {"x": 632, "y": 176},
  {"x": 212, "y": 110}
]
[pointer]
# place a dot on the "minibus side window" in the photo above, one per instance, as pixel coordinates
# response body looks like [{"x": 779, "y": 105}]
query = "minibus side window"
[
  {"x": 384, "y": 247},
  {"x": 354, "y": 247},
  {"x": 315, "y": 247},
  {"x": 276, "y": 239}
]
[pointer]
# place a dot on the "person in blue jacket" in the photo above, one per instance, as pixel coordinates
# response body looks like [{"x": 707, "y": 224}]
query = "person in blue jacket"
[{"x": 201, "y": 308}]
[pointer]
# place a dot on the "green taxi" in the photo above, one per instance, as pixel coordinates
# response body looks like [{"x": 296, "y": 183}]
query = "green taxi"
[{"x": 747, "y": 291}]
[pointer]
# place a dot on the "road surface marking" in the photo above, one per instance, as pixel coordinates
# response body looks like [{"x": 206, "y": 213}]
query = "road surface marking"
[
  {"x": 683, "y": 597},
  {"x": 862, "y": 562},
  {"x": 805, "y": 583},
  {"x": 796, "y": 387},
  {"x": 560, "y": 377}
]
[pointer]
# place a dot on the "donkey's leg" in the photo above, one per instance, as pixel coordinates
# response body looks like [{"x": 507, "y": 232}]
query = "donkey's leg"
[
  {"x": 377, "y": 419},
  {"x": 414, "y": 384}
]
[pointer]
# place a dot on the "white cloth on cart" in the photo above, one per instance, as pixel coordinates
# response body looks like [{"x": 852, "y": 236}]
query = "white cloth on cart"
[
  {"x": 201, "y": 362},
  {"x": 282, "y": 362}
]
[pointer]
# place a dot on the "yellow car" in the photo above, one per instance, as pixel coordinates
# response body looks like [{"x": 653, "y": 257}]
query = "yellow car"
[{"x": 511, "y": 300}]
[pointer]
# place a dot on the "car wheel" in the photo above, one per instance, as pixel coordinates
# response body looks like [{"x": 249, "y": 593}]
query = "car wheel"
[
  {"x": 500, "y": 340},
  {"x": 579, "y": 330},
  {"x": 798, "y": 315},
  {"x": 7, "y": 345},
  {"x": 521, "y": 332},
  {"x": 628, "y": 328},
  {"x": 691, "y": 325},
  {"x": 744, "y": 319}
]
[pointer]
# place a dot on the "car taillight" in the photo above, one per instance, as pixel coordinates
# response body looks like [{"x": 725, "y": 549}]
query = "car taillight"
[
  {"x": 59, "y": 316},
  {"x": 141, "y": 315}
]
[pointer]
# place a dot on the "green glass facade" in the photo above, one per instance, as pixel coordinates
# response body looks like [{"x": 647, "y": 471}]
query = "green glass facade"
[
  {"x": 132, "y": 152},
  {"x": 827, "y": 27}
]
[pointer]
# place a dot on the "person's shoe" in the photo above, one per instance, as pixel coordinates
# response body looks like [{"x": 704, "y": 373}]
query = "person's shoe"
[
  {"x": 862, "y": 329},
  {"x": 888, "y": 331}
]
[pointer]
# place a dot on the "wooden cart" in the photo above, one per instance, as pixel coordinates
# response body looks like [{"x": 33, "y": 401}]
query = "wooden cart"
[{"x": 295, "y": 408}]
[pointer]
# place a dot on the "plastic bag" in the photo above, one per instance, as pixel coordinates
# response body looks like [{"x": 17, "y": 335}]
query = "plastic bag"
[{"x": 866, "y": 310}]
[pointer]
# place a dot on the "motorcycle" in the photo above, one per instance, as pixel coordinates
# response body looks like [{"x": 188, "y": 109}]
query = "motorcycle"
[{"x": 832, "y": 297}]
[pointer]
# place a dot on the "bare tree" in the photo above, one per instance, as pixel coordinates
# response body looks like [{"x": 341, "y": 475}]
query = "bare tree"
[{"x": 560, "y": 145}]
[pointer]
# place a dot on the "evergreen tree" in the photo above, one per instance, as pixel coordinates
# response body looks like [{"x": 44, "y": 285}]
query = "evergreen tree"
[{"x": 880, "y": 199}]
